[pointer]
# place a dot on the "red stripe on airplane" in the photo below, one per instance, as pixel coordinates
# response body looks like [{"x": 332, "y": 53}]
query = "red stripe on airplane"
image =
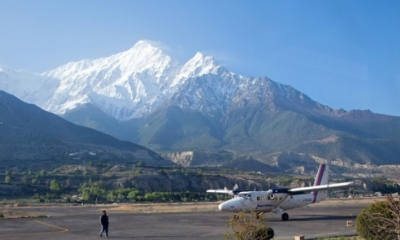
[{"x": 319, "y": 178}]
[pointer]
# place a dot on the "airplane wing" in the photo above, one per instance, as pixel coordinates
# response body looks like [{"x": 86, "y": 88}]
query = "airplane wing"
[
  {"x": 225, "y": 190},
  {"x": 282, "y": 192},
  {"x": 219, "y": 191},
  {"x": 322, "y": 187}
]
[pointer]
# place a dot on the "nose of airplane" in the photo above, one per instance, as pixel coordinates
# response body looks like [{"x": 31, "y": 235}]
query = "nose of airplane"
[
  {"x": 229, "y": 205},
  {"x": 222, "y": 206}
]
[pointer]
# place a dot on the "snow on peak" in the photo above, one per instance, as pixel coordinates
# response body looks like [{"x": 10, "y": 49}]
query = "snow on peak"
[
  {"x": 29, "y": 87},
  {"x": 143, "y": 56},
  {"x": 198, "y": 66},
  {"x": 126, "y": 81},
  {"x": 201, "y": 64},
  {"x": 143, "y": 44},
  {"x": 5, "y": 69},
  {"x": 134, "y": 83}
]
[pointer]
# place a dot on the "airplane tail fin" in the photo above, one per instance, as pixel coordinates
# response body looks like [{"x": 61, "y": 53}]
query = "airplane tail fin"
[{"x": 322, "y": 178}]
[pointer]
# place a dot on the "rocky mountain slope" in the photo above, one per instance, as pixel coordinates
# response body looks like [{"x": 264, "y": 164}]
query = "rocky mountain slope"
[{"x": 31, "y": 135}]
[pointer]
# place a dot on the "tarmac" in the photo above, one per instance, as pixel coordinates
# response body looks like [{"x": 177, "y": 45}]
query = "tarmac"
[{"x": 67, "y": 223}]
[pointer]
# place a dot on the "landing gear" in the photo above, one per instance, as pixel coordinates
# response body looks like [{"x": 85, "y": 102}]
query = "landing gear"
[{"x": 285, "y": 216}]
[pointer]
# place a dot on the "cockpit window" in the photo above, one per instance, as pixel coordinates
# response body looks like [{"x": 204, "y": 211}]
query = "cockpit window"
[{"x": 245, "y": 195}]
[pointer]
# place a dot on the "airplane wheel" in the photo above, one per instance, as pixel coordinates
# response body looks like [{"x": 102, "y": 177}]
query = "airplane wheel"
[
  {"x": 285, "y": 217},
  {"x": 259, "y": 215}
]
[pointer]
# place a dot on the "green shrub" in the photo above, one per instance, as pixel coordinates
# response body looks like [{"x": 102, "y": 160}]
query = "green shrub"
[
  {"x": 378, "y": 221},
  {"x": 248, "y": 226}
]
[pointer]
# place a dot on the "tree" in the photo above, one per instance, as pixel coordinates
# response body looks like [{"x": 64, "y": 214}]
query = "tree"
[
  {"x": 35, "y": 181},
  {"x": 133, "y": 195},
  {"x": 55, "y": 186},
  {"x": 42, "y": 173},
  {"x": 381, "y": 220},
  {"x": 7, "y": 179},
  {"x": 140, "y": 164},
  {"x": 24, "y": 180},
  {"x": 86, "y": 194},
  {"x": 92, "y": 190},
  {"x": 248, "y": 226}
]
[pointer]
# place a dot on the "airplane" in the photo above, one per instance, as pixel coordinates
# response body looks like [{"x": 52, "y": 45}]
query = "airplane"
[{"x": 278, "y": 200}]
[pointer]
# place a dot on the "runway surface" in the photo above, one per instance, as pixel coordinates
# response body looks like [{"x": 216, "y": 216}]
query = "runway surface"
[{"x": 65, "y": 223}]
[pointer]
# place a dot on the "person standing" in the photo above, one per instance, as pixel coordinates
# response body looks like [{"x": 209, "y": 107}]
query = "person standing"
[{"x": 104, "y": 224}]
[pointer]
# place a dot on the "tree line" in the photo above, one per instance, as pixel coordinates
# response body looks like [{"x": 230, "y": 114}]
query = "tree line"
[{"x": 96, "y": 190}]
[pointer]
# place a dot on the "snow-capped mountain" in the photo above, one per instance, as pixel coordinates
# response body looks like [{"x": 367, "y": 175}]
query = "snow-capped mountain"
[
  {"x": 136, "y": 82},
  {"x": 125, "y": 85}
]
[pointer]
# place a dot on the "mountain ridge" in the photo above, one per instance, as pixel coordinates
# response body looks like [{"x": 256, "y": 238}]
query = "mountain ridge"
[
  {"x": 143, "y": 95},
  {"x": 134, "y": 83}
]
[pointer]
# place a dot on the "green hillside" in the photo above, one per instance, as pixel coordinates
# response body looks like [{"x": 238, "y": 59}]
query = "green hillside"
[
  {"x": 356, "y": 136},
  {"x": 174, "y": 129},
  {"x": 29, "y": 134}
]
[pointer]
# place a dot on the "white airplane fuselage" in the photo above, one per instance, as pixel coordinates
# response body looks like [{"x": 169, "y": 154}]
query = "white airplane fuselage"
[{"x": 259, "y": 201}]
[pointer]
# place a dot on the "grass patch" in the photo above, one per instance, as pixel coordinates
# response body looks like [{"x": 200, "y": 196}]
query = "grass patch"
[{"x": 7, "y": 214}]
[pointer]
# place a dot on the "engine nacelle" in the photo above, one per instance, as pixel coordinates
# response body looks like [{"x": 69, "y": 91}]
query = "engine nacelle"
[{"x": 277, "y": 195}]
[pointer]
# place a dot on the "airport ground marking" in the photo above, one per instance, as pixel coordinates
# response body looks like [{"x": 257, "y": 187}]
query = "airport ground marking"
[
  {"x": 62, "y": 230},
  {"x": 54, "y": 226}
]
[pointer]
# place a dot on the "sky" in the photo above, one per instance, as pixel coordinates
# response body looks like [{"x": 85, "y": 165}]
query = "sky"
[{"x": 344, "y": 54}]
